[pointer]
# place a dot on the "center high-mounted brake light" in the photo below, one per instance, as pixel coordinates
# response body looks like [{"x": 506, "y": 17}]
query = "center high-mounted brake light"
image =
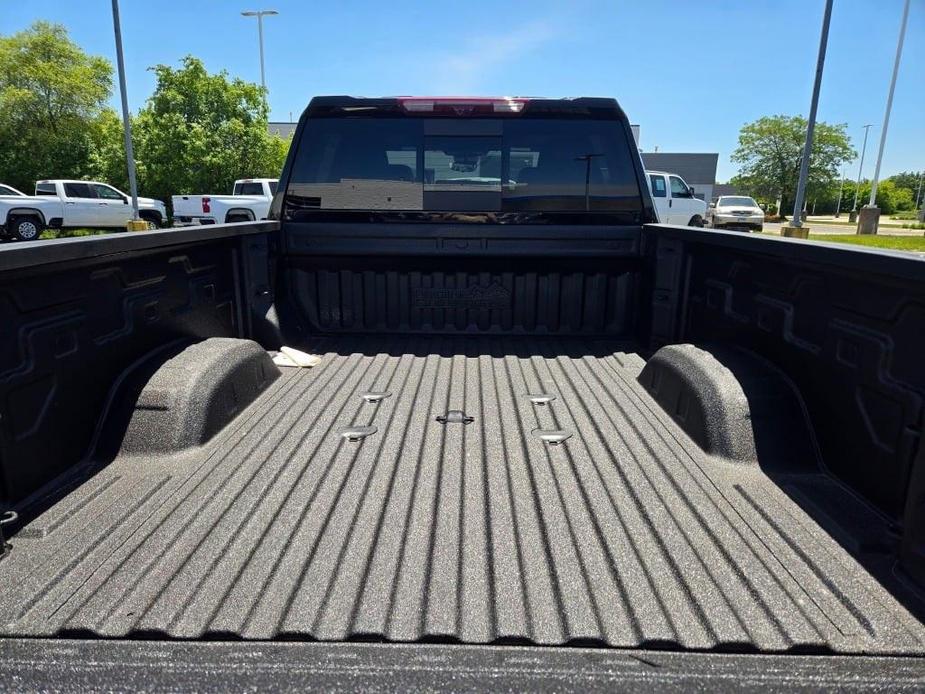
[{"x": 462, "y": 105}]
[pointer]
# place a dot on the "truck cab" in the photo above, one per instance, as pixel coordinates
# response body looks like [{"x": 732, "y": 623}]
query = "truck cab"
[{"x": 674, "y": 200}]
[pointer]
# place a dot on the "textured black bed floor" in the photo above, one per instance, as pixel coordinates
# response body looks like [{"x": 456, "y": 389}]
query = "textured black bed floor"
[{"x": 625, "y": 534}]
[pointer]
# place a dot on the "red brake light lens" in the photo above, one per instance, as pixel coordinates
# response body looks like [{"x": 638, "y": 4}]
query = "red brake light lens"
[
  {"x": 462, "y": 106},
  {"x": 206, "y": 207}
]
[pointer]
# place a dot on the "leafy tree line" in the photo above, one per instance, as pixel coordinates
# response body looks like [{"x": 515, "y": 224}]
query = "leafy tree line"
[
  {"x": 52, "y": 97},
  {"x": 769, "y": 154},
  {"x": 894, "y": 194},
  {"x": 197, "y": 132}
]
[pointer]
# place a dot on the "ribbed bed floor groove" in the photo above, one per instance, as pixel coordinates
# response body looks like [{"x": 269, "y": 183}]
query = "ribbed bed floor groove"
[{"x": 624, "y": 534}]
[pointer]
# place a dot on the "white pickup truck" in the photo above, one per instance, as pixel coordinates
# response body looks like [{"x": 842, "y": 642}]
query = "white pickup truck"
[
  {"x": 674, "y": 200},
  {"x": 64, "y": 204},
  {"x": 22, "y": 216},
  {"x": 249, "y": 201}
]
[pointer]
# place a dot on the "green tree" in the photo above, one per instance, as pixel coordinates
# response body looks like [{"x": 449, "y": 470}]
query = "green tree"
[
  {"x": 770, "y": 150},
  {"x": 908, "y": 180},
  {"x": 827, "y": 202},
  {"x": 907, "y": 188},
  {"x": 51, "y": 97},
  {"x": 199, "y": 132},
  {"x": 107, "y": 156},
  {"x": 890, "y": 197}
]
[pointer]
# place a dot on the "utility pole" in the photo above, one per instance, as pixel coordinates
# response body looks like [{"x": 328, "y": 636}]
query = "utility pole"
[
  {"x": 797, "y": 220},
  {"x": 868, "y": 222},
  {"x": 126, "y": 120},
  {"x": 857, "y": 187},
  {"x": 260, "y": 14}
]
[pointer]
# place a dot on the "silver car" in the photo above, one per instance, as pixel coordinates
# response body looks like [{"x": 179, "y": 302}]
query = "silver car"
[{"x": 736, "y": 212}]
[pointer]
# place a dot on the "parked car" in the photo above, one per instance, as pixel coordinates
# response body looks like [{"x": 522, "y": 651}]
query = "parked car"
[
  {"x": 736, "y": 212},
  {"x": 674, "y": 200},
  {"x": 10, "y": 191},
  {"x": 542, "y": 442},
  {"x": 249, "y": 201}
]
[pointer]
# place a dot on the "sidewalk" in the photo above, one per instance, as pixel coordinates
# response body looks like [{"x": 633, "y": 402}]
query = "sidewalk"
[
  {"x": 818, "y": 226},
  {"x": 830, "y": 219}
]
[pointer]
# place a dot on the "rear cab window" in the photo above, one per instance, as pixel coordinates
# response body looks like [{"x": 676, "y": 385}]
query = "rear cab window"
[
  {"x": 415, "y": 168},
  {"x": 45, "y": 189},
  {"x": 248, "y": 188}
]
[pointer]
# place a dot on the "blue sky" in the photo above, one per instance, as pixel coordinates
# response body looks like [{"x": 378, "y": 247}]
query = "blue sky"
[{"x": 691, "y": 73}]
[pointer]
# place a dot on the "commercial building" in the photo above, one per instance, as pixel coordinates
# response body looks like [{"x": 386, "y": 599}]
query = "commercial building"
[
  {"x": 698, "y": 169},
  {"x": 282, "y": 128}
]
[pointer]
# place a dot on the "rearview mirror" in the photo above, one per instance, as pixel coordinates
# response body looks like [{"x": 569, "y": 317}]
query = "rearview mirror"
[
  {"x": 713, "y": 205},
  {"x": 124, "y": 200},
  {"x": 690, "y": 190}
]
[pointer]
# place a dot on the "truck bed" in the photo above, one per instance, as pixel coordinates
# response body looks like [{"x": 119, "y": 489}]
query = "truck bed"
[{"x": 625, "y": 534}]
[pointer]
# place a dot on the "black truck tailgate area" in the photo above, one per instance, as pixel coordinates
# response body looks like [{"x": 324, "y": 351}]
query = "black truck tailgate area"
[{"x": 589, "y": 519}]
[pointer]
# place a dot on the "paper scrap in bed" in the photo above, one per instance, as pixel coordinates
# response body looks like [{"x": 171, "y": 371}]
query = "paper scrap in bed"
[{"x": 287, "y": 356}]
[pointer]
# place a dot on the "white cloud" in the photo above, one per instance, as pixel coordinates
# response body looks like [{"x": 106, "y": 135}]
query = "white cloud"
[{"x": 464, "y": 70}]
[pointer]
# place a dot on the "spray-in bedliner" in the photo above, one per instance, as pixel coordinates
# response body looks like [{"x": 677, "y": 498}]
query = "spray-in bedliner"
[{"x": 460, "y": 489}]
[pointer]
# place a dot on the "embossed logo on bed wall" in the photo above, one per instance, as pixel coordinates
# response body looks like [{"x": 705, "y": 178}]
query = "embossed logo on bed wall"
[{"x": 492, "y": 296}]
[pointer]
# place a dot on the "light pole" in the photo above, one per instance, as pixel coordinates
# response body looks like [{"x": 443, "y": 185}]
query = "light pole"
[
  {"x": 841, "y": 187},
  {"x": 260, "y": 14},
  {"x": 797, "y": 220},
  {"x": 126, "y": 121},
  {"x": 857, "y": 187},
  {"x": 868, "y": 222},
  {"x": 918, "y": 194},
  {"x": 586, "y": 158}
]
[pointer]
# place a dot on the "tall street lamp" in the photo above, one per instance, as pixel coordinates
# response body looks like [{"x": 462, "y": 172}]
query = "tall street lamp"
[
  {"x": 857, "y": 187},
  {"x": 869, "y": 218},
  {"x": 260, "y": 14},
  {"x": 796, "y": 224},
  {"x": 918, "y": 195},
  {"x": 586, "y": 158},
  {"x": 841, "y": 187},
  {"x": 135, "y": 224}
]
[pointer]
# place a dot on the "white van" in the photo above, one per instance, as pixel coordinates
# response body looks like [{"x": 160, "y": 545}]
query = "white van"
[{"x": 674, "y": 200}]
